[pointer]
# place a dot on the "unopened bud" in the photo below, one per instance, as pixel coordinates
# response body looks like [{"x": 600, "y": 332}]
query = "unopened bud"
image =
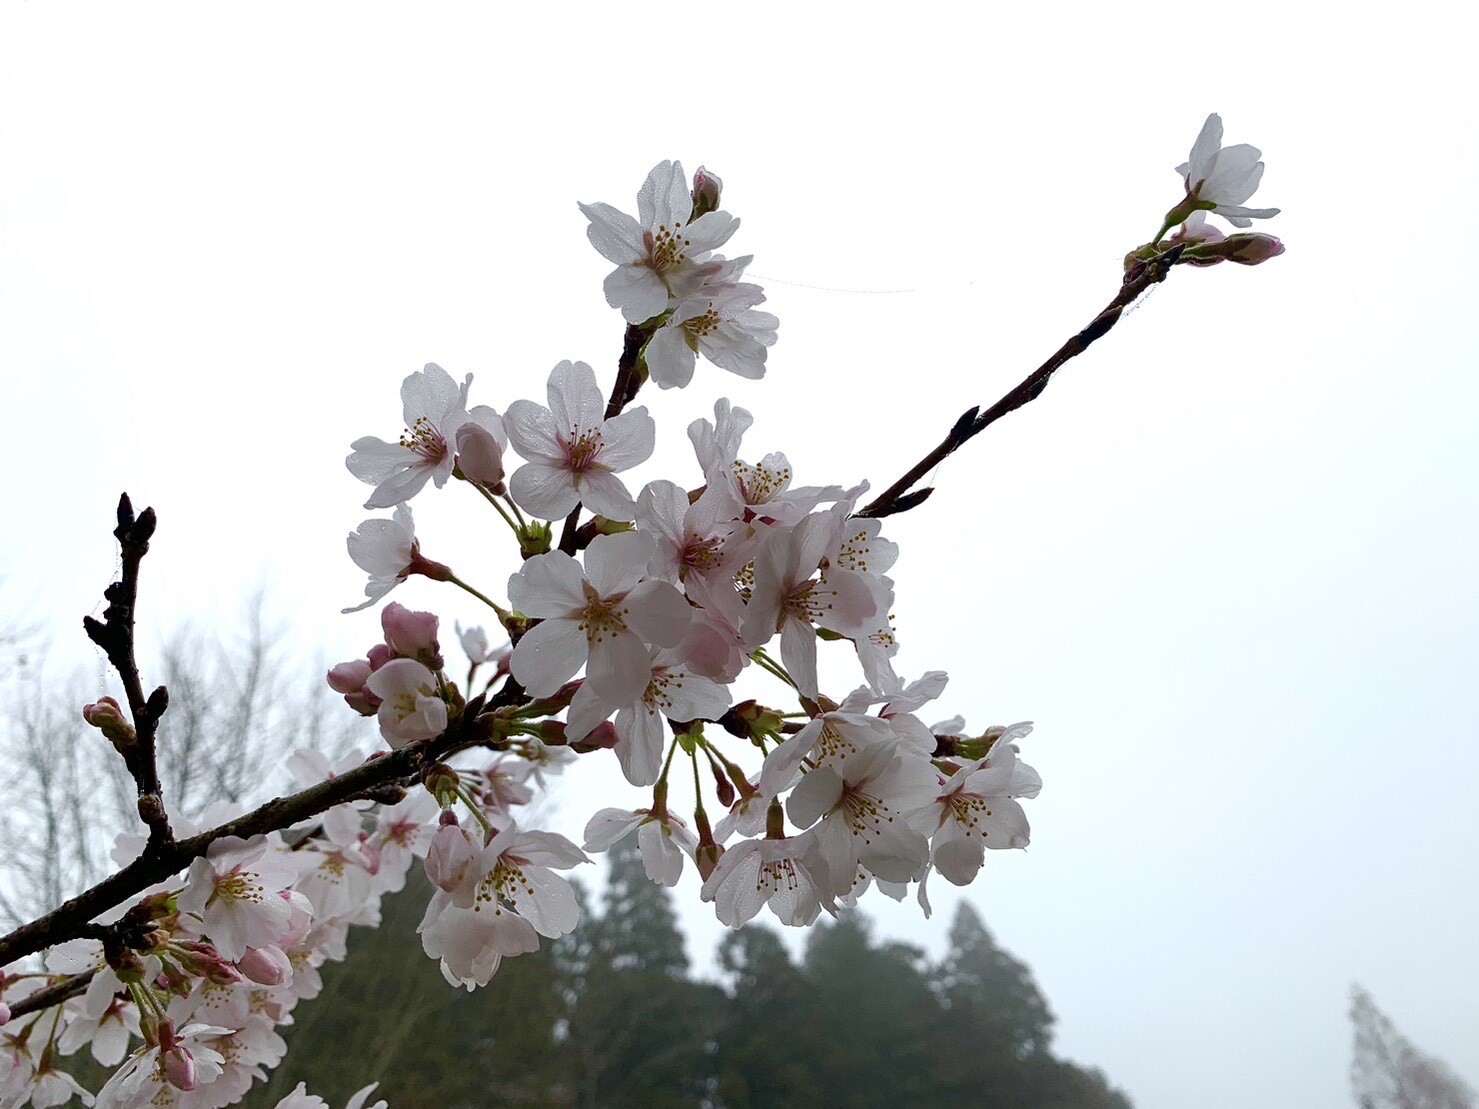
[
  {"x": 266, "y": 966},
  {"x": 179, "y": 1068},
  {"x": 349, "y": 679},
  {"x": 706, "y": 189},
  {"x": 707, "y": 857},
  {"x": 106, "y": 715},
  {"x": 128, "y": 966},
  {"x": 480, "y": 457},
  {"x": 442, "y": 781},
  {"x": 451, "y": 857},
  {"x": 1246, "y": 250},
  {"x": 1253, "y": 248},
  {"x": 412, "y": 635},
  {"x": 602, "y": 737}
]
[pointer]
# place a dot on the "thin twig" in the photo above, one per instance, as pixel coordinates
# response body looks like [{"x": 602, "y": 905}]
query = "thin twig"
[
  {"x": 53, "y": 994},
  {"x": 115, "y": 635},
  {"x": 898, "y": 498}
]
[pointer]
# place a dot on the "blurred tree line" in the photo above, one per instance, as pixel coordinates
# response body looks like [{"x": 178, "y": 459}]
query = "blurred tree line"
[{"x": 610, "y": 1017}]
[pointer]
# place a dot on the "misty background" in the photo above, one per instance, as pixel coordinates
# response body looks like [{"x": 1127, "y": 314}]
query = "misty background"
[{"x": 1225, "y": 562}]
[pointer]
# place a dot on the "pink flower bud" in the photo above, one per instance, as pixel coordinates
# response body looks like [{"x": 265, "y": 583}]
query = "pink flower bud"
[
  {"x": 349, "y": 677},
  {"x": 450, "y": 860},
  {"x": 179, "y": 1068},
  {"x": 480, "y": 457},
  {"x": 412, "y": 635},
  {"x": 266, "y": 966},
  {"x": 379, "y": 655},
  {"x": 106, "y": 715},
  {"x": 706, "y": 189},
  {"x": 300, "y": 923},
  {"x": 1251, "y": 249},
  {"x": 602, "y": 737},
  {"x": 707, "y": 858}
]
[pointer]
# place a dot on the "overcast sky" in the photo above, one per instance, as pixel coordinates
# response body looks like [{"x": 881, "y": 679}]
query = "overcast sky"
[{"x": 1226, "y": 563}]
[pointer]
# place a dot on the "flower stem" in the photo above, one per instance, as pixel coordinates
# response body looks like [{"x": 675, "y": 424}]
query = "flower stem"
[{"x": 503, "y": 614}]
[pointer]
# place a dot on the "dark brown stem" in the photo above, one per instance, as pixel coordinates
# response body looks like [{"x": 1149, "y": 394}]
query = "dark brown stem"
[
  {"x": 898, "y": 498},
  {"x": 115, "y": 635},
  {"x": 53, "y": 994}
]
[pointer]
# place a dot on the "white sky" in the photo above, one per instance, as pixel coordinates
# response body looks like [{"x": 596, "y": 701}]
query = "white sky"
[{"x": 1226, "y": 562}]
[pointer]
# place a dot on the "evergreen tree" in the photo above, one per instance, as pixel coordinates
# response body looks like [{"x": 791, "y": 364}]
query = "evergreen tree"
[
  {"x": 991, "y": 996},
  {"x": 770, "y": 1038},
  {"x": 639, "y": 1032},
  {"x": 1388, "y": 1072}
]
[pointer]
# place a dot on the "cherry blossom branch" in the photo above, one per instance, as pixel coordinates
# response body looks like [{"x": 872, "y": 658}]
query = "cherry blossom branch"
[
  {"x": 368, "y": 780},
  {"x": 1140, "y": 277},
  {"x": 115, "y": 635}
]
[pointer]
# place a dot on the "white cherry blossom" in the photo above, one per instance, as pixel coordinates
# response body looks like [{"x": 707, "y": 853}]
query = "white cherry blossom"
[
  {"x": 662, "y": 839},
  {"x": 1224, "y": 176},
  {"x": 661, "y": 254},
  {"x": 789, "y": 875},
  {"x": 977, "y": 809},
  {"x": 434, "y": 407},
  {"x": 869, "y": 806},
  {"x": 606, "y": 614},
  {"x": 517, "y": 898},
  {"x": 411, "y": 707},
  {"x": 671, "y": 691},
  {"x": 573, "y": 452},
  {"x": 719, "y": 321},
  {"x": 234, "y": 889}
]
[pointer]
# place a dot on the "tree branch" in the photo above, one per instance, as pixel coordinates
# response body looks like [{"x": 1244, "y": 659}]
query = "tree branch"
[
  {"x": 370, "y": 779},
  {"x": 898, "y": 498}
]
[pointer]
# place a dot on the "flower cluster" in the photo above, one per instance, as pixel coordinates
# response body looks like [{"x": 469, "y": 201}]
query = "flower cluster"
[
  {"x": 680, "y": 622},
  {"x": 212, "y": 965}
]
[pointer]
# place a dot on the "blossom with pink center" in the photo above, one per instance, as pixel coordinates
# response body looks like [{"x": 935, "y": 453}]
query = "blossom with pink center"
[
  {"x": 606, "y": 614},
  {"x": 870, "y": 807},
  {"x": 664, "y": 252},
  {"x": 1223, "y": 177},
  {"x": 977, "y": 808},
  {"x": 833, "y": 737},
  {"x": 719, "y": 321},
  {"x": 671, "y": 691},
  {"x": 181, "y": 1060},
  {"x": 411, "y": 707},
  {"x": 700, "y": 537},
  {"x": 791, "y": 594},
  {"x": 234, "y": 889},
  {"x": 434, "y": 407},
  {"x": 662, "y": 838},
  {"x": 787, "y": 874},
  {"x": 762, "y": 488},
  {"x": 515, "y": 898},
  {"x": 573, "y": 452}
]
